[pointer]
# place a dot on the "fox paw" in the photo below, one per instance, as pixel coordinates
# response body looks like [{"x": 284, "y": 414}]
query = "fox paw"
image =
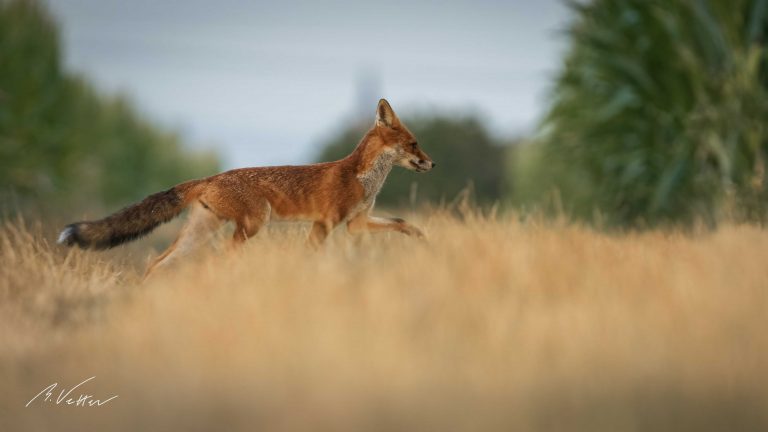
[{"x": 413, "y": 231}]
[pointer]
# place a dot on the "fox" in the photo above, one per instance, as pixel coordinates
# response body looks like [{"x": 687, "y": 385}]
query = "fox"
[{"x": 327, "y": 194}]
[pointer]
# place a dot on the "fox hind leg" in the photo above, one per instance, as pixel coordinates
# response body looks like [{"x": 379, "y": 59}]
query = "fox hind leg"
[
  {"x": 200, "y": 226},
  {"x": 250, "y": 224}
]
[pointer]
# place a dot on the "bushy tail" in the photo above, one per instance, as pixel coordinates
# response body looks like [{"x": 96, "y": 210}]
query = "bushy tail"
[{"x": 131, "y": 222}]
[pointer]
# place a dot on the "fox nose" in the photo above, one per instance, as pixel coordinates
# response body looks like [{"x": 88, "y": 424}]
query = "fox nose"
[{"x": 431, "y": 164}]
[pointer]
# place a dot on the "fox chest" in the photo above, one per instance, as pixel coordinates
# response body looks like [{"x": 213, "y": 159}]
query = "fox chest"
[{"x": 373, "y": 179}]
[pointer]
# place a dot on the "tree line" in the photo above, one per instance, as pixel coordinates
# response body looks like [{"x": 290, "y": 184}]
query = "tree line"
[{"x": 63, "y": 143}]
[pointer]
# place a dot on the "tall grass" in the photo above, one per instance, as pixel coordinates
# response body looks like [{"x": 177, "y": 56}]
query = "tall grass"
[{"x": 494, "y": 324}]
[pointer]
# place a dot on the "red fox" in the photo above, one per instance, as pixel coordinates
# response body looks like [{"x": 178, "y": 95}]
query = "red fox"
[{"x": 327, "y": 194}]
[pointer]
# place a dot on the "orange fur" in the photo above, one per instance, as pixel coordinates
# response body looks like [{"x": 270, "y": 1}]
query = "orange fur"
[{"x": 326, "y": 194}]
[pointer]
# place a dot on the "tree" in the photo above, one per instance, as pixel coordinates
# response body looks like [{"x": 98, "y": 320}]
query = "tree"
[
  {"x": 658, "y": 115},
  {"x": 60, "y": 139}
]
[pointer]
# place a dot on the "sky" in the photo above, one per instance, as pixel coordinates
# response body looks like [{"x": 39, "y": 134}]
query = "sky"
[{"x": 265, "y": 82}]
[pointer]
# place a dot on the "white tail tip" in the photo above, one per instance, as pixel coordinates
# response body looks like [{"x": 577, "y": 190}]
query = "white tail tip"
[{"x": 66, "y": 234}]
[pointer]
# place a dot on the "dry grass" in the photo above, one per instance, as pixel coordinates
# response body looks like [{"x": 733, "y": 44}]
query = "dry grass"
[{"x": 492, "y": 325}]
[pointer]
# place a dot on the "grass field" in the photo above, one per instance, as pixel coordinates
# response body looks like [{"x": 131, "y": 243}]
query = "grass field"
[{"x": 493, "y": 324}]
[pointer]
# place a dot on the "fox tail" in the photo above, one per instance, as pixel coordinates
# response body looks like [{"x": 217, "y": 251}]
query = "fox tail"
[{"x": 131, "y": 222}]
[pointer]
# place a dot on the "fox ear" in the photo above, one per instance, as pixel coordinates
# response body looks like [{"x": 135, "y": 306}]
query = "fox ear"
[{"x": 385, "y": 116}]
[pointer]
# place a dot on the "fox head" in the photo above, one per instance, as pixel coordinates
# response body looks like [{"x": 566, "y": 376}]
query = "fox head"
[{"x": 398, "y": 139}]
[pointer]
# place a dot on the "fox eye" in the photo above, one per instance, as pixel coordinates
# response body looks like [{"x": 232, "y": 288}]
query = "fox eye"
[{"x": 413, "y": 145}]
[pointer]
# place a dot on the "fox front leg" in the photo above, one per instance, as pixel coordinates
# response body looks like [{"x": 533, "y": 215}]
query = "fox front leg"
[{"x": 364, "y": 222}]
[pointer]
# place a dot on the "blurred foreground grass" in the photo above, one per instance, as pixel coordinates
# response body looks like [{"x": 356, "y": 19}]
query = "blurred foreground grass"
[{"x": 495, "y": 324}]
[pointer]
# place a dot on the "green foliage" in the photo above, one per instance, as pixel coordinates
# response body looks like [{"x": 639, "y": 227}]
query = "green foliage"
[
  {"x": 61, "y": 140},
  {"x": 658, "y": 116},
  {"x": 463, "y": 150}
]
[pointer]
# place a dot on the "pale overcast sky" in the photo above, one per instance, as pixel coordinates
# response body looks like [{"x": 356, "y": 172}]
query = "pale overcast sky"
[{"x": 266, "y": 81}]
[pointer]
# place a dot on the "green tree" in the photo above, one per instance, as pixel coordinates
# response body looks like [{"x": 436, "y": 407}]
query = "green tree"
[
  {"x": 59, "y": 139},
  {"x": 464, "y": 151},
  {"x": 658, "y": 115}
]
